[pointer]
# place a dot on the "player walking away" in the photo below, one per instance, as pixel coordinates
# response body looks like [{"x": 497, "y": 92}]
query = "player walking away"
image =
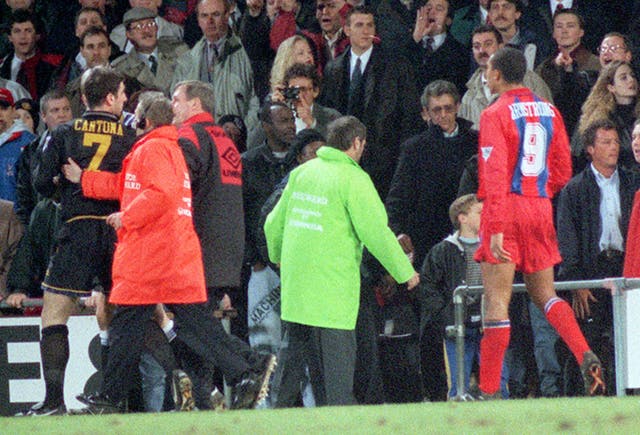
[
  {"x": 525, "y": 160},
  {"x": 85, "y": 243}
]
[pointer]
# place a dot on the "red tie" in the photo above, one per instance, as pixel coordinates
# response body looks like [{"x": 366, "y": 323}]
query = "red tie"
[{"x": 559, "y": 8}]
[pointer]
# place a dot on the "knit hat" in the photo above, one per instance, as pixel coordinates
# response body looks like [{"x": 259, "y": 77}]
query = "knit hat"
[{"x": 30, "y": 106}]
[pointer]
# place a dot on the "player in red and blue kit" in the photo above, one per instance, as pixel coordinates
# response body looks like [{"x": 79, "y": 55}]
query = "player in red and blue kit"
[{"x": 524, "y": 161}]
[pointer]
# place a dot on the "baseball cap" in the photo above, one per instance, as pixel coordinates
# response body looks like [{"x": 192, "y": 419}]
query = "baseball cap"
[{"x": 6, "y": 98}]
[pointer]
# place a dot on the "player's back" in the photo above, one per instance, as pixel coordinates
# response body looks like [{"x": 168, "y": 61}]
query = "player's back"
[
  {"x": 97, "y": 141},
  {"x": 526, "y": 132}
]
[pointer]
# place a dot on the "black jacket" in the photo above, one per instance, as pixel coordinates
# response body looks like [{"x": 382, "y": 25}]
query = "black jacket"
[
  {"x": 579, "y": 225},
  {"x": 570, "y": 89},
  {"x": 34, "y": 74},
  {"x": 254, "y": 33},
  {"x": 443, "y": 270},
  {"x": 426, "y": 183},
  {"x": 391, "y": 109},
  {"x": 97, "y": 141},
  {"x": 600, "y": 16},
  {"x": 217, "y": 200},
  {"x": 32, "y": 257},
  {"x": 395, "y": 23},
  {"x": 26, "y": 195},
  {"x": 261, "y": 173},
  {"x": 449, "y": 62}
]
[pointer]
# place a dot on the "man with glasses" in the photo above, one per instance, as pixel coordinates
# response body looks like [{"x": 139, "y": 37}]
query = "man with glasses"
[
  {"x": 424, "y": 185},
  {"x": 166, "y": 29},
  {"x": 614, "y": 46},
  {"x": 151, "y": 61}
]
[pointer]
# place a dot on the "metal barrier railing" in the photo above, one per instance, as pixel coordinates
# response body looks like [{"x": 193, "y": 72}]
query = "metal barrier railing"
[
  {"x": 615, "y": 285},
  {"x": 221, "y": 314},
  {"x": 30, "y": 303}
]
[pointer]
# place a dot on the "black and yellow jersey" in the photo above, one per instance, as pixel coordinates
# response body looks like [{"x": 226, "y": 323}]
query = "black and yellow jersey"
[{"x": 98, "y": 141}]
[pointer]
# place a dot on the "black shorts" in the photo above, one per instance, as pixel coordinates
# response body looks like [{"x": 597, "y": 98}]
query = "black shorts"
[{"x": 82, "y": 258}]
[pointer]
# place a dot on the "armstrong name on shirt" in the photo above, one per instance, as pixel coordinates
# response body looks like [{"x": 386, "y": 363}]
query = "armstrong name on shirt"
[{"x": 531, "y": 108}]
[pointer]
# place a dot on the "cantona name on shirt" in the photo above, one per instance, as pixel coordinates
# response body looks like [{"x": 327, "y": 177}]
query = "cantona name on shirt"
[
  {"x": 532, "y": 108},
  {"x": 98, "y": 126}
]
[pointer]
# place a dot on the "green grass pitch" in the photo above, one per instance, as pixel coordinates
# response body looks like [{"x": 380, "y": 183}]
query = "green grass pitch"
[{"x": 535, "y": 416}]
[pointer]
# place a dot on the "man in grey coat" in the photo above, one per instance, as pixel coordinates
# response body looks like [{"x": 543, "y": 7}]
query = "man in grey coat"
[
  {"x": 151, "y": 61},
  {"x": 219, "y": 58},
  {"x": 166, "y": 29}
]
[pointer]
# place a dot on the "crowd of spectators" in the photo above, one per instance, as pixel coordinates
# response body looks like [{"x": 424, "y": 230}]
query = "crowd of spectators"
[{"x": 413, "y": 72}]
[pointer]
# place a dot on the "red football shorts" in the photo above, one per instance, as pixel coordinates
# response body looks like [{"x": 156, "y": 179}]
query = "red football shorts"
[{"x": 529, "y": 235}]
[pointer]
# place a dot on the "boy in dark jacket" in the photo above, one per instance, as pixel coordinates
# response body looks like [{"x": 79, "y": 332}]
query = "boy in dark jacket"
[{"x": 447, "y": 265}]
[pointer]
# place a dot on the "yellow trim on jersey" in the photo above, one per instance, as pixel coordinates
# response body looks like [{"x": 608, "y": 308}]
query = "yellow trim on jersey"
[
  {"x": 60, "y": 289},
  {"x": 87, "y": 216}
]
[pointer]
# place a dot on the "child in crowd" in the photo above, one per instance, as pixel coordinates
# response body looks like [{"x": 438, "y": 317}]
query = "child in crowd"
[{"x": 449, "y": 264}]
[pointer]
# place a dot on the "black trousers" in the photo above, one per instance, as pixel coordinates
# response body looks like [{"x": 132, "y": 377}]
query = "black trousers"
[
  {"x": 330, "y": 355},
  {"x": 200, "y": 332},
  {"x": 598, "y": 328}
]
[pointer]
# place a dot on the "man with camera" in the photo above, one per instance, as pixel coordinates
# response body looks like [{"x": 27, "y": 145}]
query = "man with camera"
[{"x": 302, "y": 83}]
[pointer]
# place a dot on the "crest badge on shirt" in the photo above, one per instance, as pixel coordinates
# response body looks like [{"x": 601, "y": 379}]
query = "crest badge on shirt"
[{"x": 486, "y": 152}]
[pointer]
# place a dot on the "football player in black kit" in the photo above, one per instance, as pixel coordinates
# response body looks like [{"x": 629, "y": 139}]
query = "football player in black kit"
[{"x": 84, "y": 242}]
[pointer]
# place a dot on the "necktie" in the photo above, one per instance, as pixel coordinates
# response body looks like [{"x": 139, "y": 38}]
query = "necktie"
[
  {"x": 154, "y": 64},
  {"x": 234, "y": 22},
  {"x": 559, "y": 7},
  {"x": 355, "y": 89},
  {"x": 356, "y": 75},
  {"x": 428, "y": 44},
  {"x": 213, "y": 55}
]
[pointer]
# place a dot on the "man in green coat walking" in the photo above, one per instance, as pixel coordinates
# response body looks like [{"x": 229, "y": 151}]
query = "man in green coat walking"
[{"x": 328, "y": 212}]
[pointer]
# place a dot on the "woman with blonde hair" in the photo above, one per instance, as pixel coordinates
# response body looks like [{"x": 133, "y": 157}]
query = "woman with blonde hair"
[
  {"x": 296, "y": 49},
  {"x": 613, "y": 97}
]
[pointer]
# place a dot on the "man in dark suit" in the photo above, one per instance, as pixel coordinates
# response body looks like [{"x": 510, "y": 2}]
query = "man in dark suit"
[
  {"x": 593, "y": 214},
  {"x": 379, "y": 90},
  {"x": 437, "y": 54},
  {"x": 599, "y": 16},
  {"x": 423, "y": 186},
  {"x": 467, "y": 18}
]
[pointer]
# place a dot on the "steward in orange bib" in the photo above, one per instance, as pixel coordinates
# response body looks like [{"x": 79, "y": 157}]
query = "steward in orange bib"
[{"x": 158, "y": 257}]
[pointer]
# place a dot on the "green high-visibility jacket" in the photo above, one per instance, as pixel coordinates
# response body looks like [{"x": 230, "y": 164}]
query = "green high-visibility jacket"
[{"x": 328, "y": 212}]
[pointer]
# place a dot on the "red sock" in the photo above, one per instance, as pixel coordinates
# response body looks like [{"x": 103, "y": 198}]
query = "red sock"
[
  {"x": 493, "y": 345},
  {"x": 561, "y": 317}
]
